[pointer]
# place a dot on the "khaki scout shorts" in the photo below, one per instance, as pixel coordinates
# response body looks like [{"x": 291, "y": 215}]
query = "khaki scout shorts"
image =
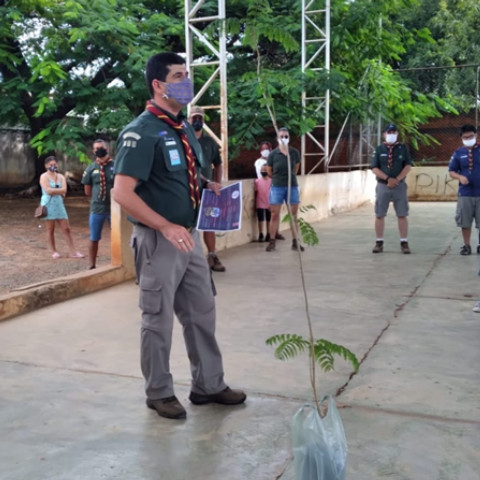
[{"x": 385, "y": 195}]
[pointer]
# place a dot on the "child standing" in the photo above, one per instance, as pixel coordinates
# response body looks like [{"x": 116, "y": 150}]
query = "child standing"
[{"x": 262, "y": 190}]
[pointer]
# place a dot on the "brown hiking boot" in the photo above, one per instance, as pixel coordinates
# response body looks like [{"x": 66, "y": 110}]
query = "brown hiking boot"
[
  {"x": 378, "y": 248},
  {"x": 225, "y": 397},
  {"x": 404, "y": 247},
  {"x": 168, "y": 407},
  {"x": 215, "y": 264},
  {"x": 279, "y": 236},
  {"x": 270, "y": 246}
]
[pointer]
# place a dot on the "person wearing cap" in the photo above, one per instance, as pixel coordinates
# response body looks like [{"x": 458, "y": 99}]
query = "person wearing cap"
[
  {"x": 212, "y": 172},
  {"x": 391, "y": 163},
  {"x": 157, "y": 184},
  {"x": 464, "y": 166}
]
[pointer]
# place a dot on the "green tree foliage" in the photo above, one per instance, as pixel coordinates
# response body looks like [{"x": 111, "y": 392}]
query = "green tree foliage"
[
  {"x": 72, "y": 69},
  {"x": 369, "y": 40},
  {"x": 455, "y": 40}
]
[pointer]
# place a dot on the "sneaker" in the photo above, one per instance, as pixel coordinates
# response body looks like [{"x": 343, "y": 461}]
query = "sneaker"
[
  {"x": 270, "y": 246},
  {"x": 404, "y": 247},
  {"x": 267, "y": 237},
  {"x": 168, "y": 407},
  {"x": 295, "y": 246},
  {"x": 261, "y": 239},
  {"x": 225, "y": 397},
  {"x": 466, "y": 250},
  {"x": 56, "y": 255},
  {"x": 476, "y": 307},
  {"x": 279, "y": 236},
  {"x": 215, "y": 264},
  {"x": 378, "y": 248},
  {"x": 77, "y": 255}
]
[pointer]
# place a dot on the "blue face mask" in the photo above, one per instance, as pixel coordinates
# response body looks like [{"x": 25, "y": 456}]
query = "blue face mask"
[{"x": 182, "y": 91}]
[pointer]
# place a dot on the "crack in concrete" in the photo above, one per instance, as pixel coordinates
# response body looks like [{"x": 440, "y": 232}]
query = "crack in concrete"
[{"x": 395, "y": 315}]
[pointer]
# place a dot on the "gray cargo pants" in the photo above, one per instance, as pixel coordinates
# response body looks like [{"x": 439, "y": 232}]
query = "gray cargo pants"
[{"x": 174, "y": 282}]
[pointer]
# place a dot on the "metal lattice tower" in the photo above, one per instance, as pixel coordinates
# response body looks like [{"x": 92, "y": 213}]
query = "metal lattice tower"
[
  {"x": 195, "y": 34},
  {"x": 316, "y": 57}
]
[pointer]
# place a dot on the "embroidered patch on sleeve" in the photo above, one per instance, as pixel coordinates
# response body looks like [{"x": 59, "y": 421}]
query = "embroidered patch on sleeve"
[{"x": 130, "y": 139}]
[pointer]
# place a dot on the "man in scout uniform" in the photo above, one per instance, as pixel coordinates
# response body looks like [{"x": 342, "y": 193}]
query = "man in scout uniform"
[
  {"x": 157, "y": 183},
  {"x": 391, "y": 163},
  {"x": 97, "y": 182},
  {"x": 212, "y": 171}
]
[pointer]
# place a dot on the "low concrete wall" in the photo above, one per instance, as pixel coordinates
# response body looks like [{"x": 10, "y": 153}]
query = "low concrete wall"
[
  {"x": 328, "y": 193},
  {"x": 431, "y": 184}
]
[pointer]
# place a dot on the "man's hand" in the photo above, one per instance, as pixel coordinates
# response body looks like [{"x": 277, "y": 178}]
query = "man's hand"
[
  {"x": 392, "y": 182},
  {"x": 463, "y": 180},
  {"x": 214, "y": 187},
  {"x": 178, "y": 236}
]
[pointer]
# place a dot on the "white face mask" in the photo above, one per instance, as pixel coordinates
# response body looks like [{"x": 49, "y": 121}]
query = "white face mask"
[
  {"x": 470, "y": 142},
  {"x": 391, "y": 138},
  {"x": 284, "y": 141},
  {"x": 265, "y": 153}
]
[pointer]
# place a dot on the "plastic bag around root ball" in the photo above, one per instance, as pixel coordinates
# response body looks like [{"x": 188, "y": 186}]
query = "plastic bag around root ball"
[{"x": 319, "y": 444}]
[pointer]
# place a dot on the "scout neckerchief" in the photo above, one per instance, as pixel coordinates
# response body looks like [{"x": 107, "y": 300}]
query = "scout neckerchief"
[
  {"x": 390, "y": 147},
  {"x": 102, "y": 163},
  {"x": 470, "y": 157},
  {"x": 192, "y": 172}
]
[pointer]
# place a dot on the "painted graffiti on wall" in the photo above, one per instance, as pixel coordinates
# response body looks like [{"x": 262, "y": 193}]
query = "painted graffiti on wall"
[{"x": 433, "y": 183}]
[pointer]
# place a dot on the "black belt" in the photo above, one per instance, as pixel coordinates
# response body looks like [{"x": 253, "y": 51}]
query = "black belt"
[{"x": 379, "y": 180}]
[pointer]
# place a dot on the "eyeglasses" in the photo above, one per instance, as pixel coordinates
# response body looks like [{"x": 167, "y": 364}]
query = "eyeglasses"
[{"x": 283, "y": 136}]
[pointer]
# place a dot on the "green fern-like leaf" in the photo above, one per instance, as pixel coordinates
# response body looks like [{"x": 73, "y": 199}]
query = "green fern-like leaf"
[
  {"x": 288, "y": 345},
  {"x": 309, "y": 235},
  {"x": 325, "y": 350}
]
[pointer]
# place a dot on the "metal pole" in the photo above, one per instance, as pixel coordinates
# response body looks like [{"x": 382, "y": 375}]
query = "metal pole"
[
  {"x": 223, "y": 89},
  {"x": 327, "y": 93},
  {"x": 476, "y": 99}
]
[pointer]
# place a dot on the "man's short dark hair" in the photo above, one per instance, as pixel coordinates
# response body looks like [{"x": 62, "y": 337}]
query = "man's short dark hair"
[
  {"x": 49, "y": 159},
  {"x": 467, "y": 128},
  {"x": 158, "y": 67},
  {"x": 283, "y": 129},
  {"x": 99, "y": 140}
]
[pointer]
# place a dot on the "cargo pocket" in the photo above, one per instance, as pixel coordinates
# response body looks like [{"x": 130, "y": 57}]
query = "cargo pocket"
[{"x": 150, "y": 295}]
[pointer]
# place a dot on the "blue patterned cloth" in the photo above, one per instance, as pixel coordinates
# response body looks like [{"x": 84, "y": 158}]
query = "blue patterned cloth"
[{"x": 54, "y": 203}]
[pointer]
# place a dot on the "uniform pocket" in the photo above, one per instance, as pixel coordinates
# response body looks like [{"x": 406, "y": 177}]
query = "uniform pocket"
[{"x": 150, "y": 294}]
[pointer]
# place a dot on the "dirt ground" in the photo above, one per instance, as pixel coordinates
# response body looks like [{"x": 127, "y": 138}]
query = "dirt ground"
[{"x": 25, "y": 258}]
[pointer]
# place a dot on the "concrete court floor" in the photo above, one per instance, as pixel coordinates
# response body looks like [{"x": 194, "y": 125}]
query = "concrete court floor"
[{"x": 71, "y": 394}]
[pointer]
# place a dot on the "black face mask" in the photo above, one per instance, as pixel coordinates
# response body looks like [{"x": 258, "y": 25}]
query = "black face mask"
[
  {"x": 264, "y": 174},
  {"x": 197, "y": 125},
  {"x": 53, "y": 168},
  {"x": 100, "y": 152}
]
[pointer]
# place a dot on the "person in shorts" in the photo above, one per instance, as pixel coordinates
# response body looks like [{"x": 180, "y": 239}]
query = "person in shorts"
[
  {"x": 391, "y": 163},
  {"x": 97, "y": 182},
  {"x": 281, "y": 191},
  {"x": 464, "y": 166},
  {"x": 262, "y": 193}
]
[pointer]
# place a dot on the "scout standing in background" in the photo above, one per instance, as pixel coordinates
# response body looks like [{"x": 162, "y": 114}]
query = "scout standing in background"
[
  {"x": 391, "y": 163},
  {"x": 97, "y": 182}
]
